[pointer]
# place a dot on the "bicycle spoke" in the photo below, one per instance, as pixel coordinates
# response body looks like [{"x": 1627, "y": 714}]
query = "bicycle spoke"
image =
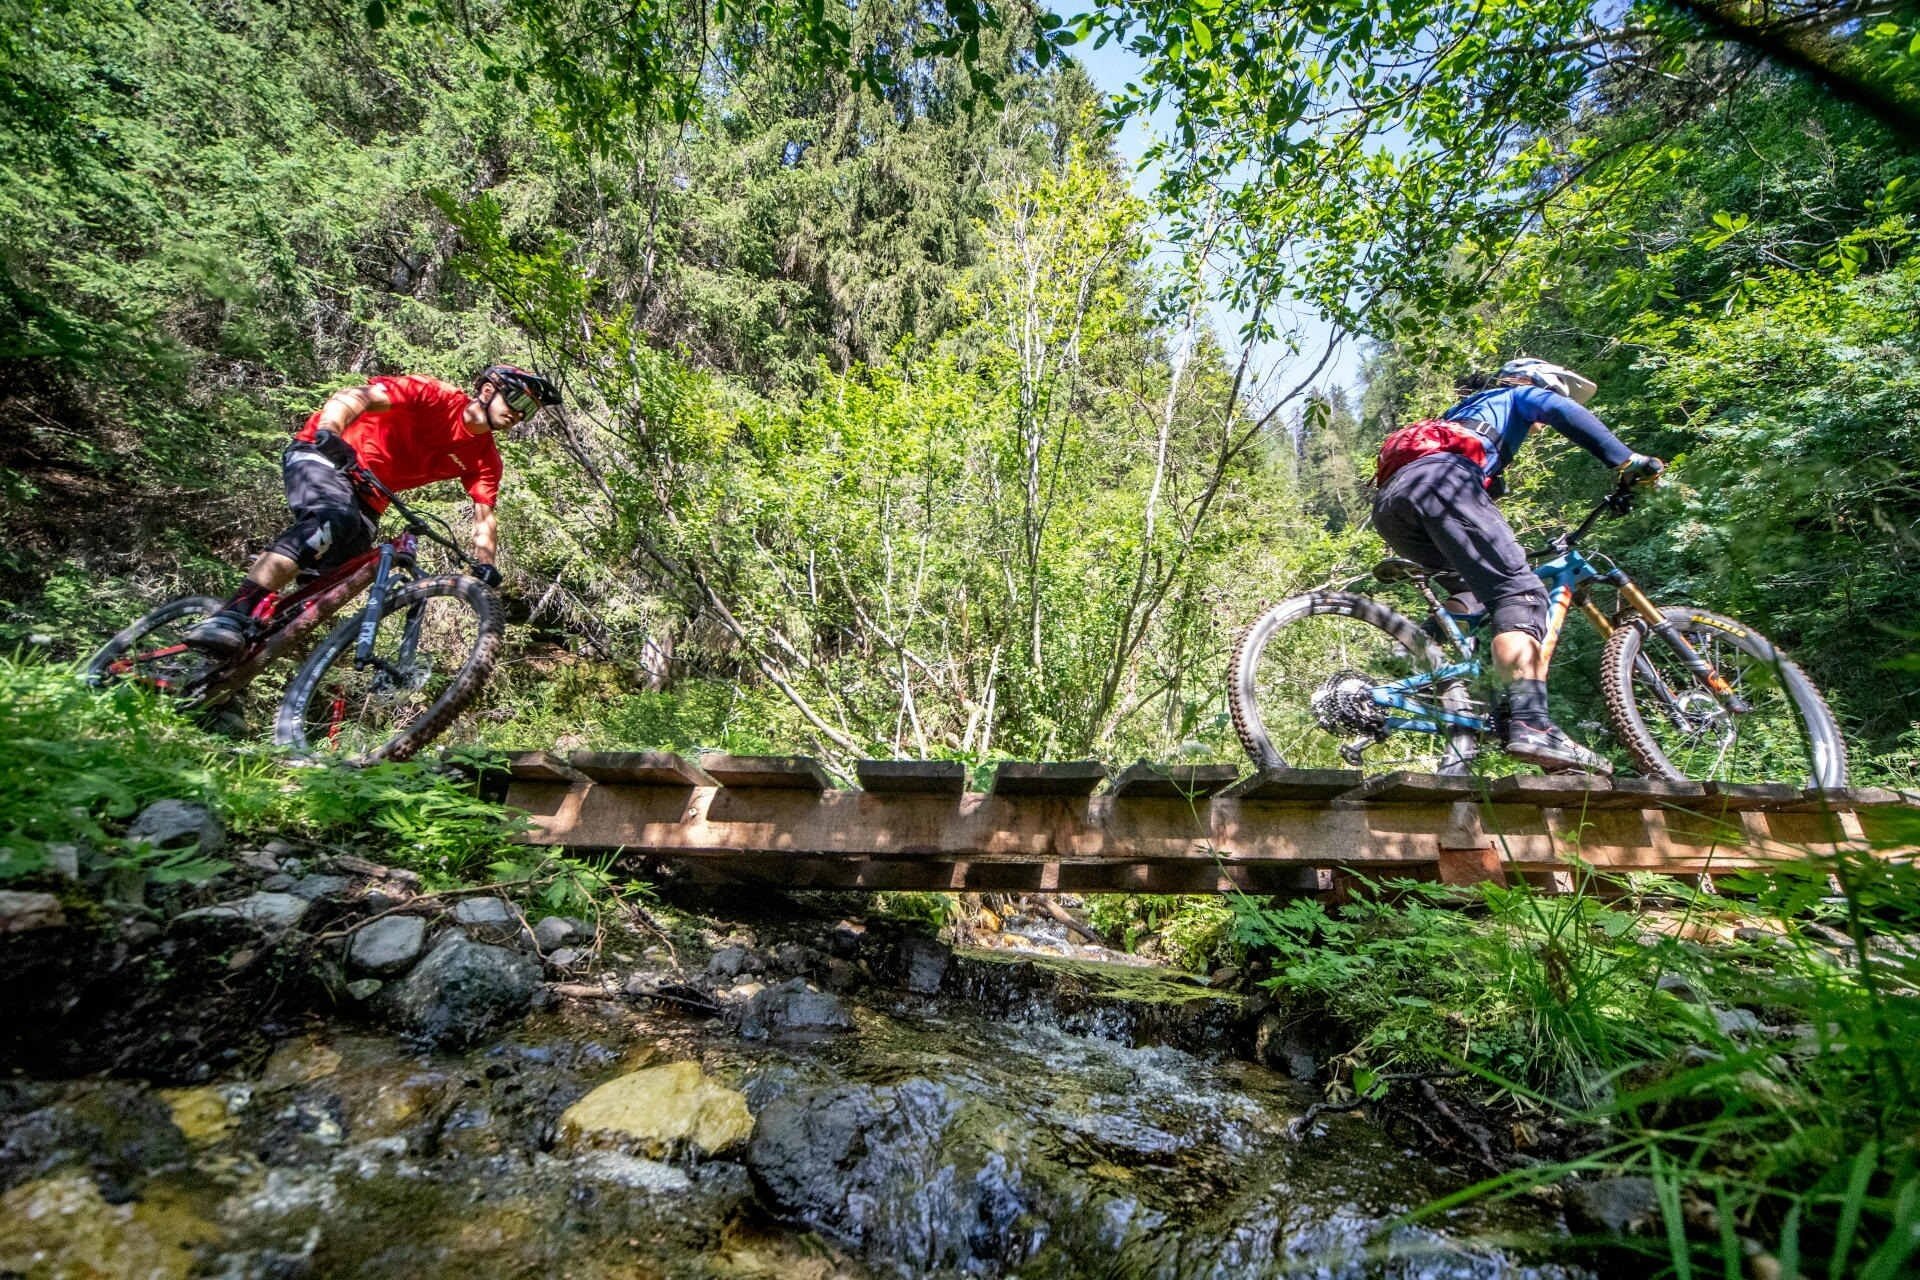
[{"x": 1314, "y": 683}]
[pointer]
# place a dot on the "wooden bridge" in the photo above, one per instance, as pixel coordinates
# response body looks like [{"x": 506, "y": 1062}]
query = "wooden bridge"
[{"x": 1170, "y": 828}]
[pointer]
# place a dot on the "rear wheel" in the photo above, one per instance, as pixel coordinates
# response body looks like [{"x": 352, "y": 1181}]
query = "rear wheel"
[
  {"x": 1300, "y": 683},
  {"x": 153, "y": 652},
  {"x": 433, "y": 648},
  {"x": 1676, "y": 726}
]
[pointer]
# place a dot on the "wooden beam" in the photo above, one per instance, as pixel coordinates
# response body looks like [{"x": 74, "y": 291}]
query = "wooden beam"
[
  {"x": 912, "y": 777},
  {"x": 782, "y": 773},
  {"x": 1403, "y": 787},
  {"x": 1144, "y": 780},
  {"x": 1295, "y": 786},
  {"x": 1068, "y": 778},
  {"x": 640, "y": 768}
]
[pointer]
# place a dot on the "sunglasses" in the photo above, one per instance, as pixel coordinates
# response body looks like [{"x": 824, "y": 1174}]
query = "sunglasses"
[{"x": 520, "y": 401}]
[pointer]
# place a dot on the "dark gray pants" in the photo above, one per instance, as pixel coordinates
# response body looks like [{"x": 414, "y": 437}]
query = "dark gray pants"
[
  {"x": 1435, "y": 511},
  {"x": 331, "y": 525}
]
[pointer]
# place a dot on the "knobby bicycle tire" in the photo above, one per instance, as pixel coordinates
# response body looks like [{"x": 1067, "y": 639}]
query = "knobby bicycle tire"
[
  {"x": 182, "y": 609},
  {"x": 290, "y": 726},
  {"x": 1822, "y": 749},
  {"x": 1243, "y": 697}
]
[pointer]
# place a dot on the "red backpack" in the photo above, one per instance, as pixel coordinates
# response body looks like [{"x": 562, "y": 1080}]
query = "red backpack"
[{"x": 1429, "y": 435}]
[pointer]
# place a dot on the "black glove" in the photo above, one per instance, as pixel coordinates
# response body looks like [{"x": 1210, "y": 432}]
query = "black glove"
[
  {"x": 1640, "y": 469},
  {"x": 487, "y": 574}
]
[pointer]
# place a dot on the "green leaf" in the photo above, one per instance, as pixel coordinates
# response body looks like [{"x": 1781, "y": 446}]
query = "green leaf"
[{"x": 376, "y": 14}]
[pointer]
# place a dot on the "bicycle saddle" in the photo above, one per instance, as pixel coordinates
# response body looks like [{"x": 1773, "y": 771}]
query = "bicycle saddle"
[{"x": 1395, "y": 569}]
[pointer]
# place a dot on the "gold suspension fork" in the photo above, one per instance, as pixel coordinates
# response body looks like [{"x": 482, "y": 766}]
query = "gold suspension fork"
[
  {"x": 1638, "y": 601},
  {"x": 1591, "y": 611}
]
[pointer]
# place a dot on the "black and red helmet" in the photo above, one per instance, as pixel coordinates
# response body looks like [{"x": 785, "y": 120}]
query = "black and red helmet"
[{"x": 525, "y": 390}]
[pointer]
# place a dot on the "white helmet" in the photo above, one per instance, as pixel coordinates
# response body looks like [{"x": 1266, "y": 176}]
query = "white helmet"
[{"x": 1544, "y": 373}]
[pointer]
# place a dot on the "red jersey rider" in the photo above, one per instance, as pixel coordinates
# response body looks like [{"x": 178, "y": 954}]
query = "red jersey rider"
[{"x": 408, "y": 431}]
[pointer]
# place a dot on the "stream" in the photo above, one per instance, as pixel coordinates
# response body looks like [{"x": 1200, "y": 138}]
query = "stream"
[{"x": 999, "y": 1127}]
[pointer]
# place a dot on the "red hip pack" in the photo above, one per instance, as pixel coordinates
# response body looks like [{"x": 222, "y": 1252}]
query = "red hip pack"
[{"x": 1430, "y": 435}]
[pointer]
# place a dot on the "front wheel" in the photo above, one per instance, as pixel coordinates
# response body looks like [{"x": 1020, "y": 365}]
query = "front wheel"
[
  {"x": 433, "y": 647},
  {"x": 1300, "y": 686},
  {"x": 1678, "y": 727},
  {"x": 153, "y": 651}
]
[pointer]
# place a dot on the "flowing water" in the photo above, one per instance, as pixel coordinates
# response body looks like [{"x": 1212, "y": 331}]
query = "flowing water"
[{"x": 979, "y": 1136}]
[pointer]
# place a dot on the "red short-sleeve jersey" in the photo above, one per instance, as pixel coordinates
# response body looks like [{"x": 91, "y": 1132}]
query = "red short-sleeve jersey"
[{"x": 421, "y": 439}]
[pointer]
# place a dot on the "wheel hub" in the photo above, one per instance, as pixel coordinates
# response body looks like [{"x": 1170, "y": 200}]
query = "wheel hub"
[{"x": 1703, "y": 719}]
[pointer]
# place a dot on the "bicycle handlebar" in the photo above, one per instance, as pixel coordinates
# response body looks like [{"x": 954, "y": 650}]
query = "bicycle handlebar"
[
  {"x": 418, "y": 522},
  {"x": 1618, "y": 502}
]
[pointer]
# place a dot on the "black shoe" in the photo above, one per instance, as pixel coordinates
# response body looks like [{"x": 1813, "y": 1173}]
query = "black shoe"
[
  {"x": 1546, "y": 746},
  {"x": 222, "y": 636}
]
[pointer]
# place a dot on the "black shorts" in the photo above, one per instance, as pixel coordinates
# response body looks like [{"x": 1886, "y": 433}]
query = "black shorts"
[
  {"x": 331, "y": 523},
  {"x": 1435, "y": 511}
]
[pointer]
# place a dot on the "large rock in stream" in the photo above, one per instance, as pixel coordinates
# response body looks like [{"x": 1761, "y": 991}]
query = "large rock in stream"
[
  {"x": 880, "y": 1169},
  {"x": 462, "y": 990}
]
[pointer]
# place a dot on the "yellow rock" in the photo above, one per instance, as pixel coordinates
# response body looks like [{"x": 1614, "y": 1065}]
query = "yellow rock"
[
  {"x": 62, "y": 1227},
  {"x": 660, "y": 1109},
  {"x": 201, "y": 1114}
]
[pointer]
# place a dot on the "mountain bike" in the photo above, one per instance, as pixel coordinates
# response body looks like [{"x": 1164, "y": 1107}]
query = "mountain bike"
[
  {"x": 379, "y": 686},
  {"x": 1338, "y": 678}
]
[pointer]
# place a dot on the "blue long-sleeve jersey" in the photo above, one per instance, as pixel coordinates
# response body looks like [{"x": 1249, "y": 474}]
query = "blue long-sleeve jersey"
[{"x": 1505, "y": 416}]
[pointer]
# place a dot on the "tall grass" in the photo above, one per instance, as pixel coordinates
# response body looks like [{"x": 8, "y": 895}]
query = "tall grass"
[
  {"x": 1766, "y": 1088},
  {"x": 80, "y": 763}
]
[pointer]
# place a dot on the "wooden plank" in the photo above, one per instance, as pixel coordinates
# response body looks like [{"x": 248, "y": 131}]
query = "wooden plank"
[
  {"x": 1295, "y": 786},
  {"x": 1648, "y": 793},
  {"x": 1404, "y": 787},
  {"x": 543, "y": 766},
  {"x": 1851, "y": 799},
  {"x": 1551, "y": 791},
  {"x": 640, "y": 768},
  {"x": 1051, "y": 778},
  {"x": 912, "y": 777},
  {"x": 1747, "y": 797},
  {"x": 780, "y": 773},
  {"x": 1144, "y": 780}
]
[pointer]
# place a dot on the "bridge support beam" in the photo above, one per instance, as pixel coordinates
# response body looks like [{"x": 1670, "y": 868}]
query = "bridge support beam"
[{"x": 1162, "y": 830}]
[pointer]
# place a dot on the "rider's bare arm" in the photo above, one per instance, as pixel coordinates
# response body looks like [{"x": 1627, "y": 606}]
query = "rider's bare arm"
[
  {"x": 486, "y": 542},
  {"x": 348, "y": 403}
]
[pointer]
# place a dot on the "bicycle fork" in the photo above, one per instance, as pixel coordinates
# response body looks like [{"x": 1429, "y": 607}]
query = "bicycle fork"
[{"x": 1640, "y": 603}]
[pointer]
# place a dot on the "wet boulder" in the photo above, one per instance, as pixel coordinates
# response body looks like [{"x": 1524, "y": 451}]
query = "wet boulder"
[
  {"x": 176, "y": 824},
  {"x": 793, "y": 1007},
  {"x": 118, "y": 1133},
  {"x": 462, "y": 990},
  {"x": 899, "y": 1174},
  {"x": 263, "y": 912},
  {"x": 387, "y": 946},
  {"x": 555, "y": 932},
  {"x": 1613, "y": 1206}
]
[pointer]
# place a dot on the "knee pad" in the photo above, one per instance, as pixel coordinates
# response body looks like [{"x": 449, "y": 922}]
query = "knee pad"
[
  {"x": 1522, "y": 611},
  {"x": 313, "y": 540}
]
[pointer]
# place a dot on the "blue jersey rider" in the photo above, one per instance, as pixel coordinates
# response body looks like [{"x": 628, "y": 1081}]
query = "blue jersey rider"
[{"x": 1437, "y": 484}]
